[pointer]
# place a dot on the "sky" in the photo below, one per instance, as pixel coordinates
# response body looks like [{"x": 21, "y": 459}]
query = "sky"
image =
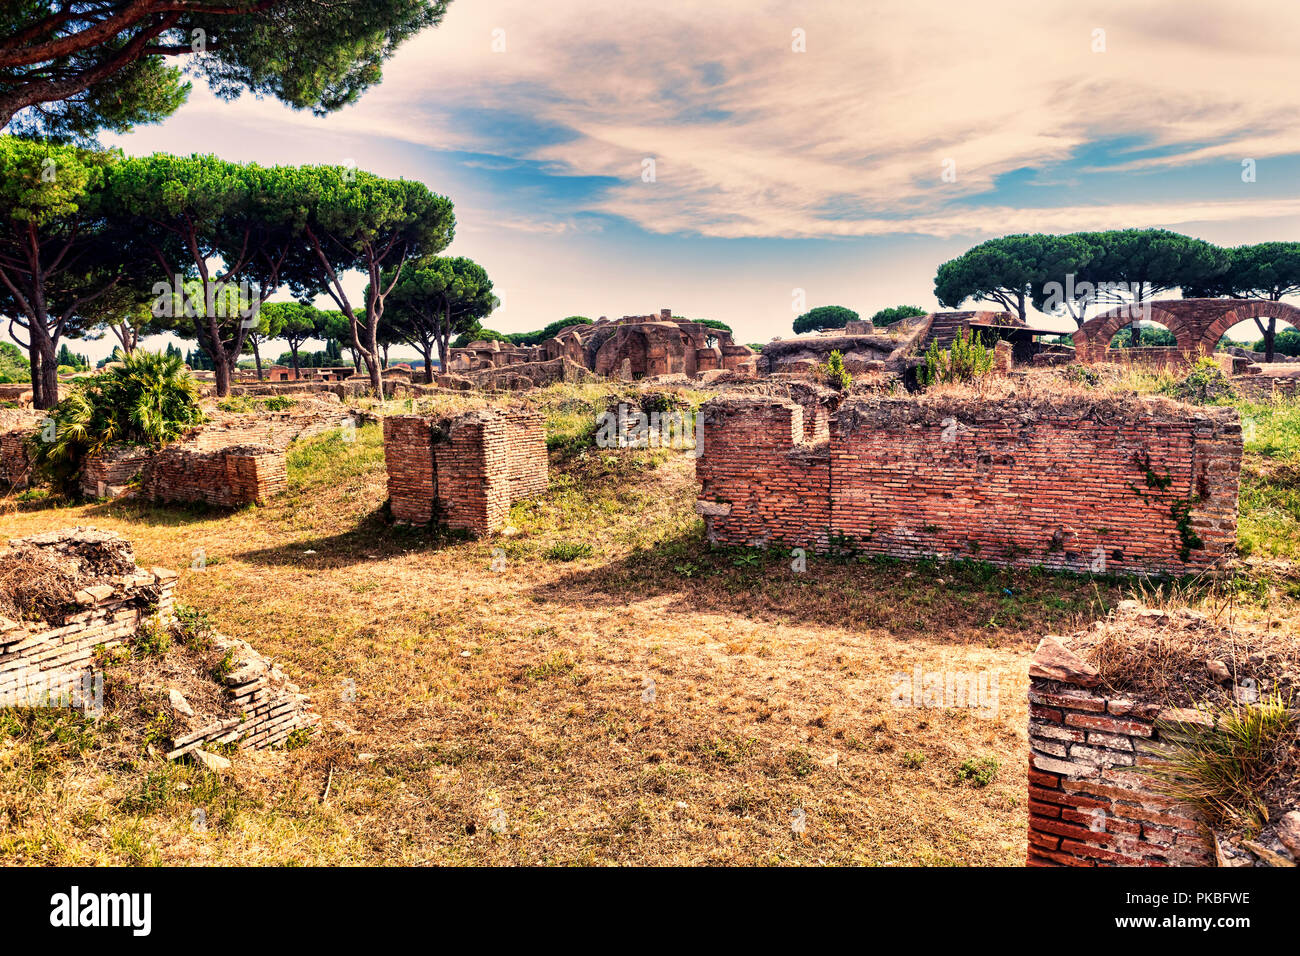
[{"x": 746, "y": 160}]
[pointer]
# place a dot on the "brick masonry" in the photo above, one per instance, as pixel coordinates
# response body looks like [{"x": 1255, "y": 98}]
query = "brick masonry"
[
  {"x": 265, "y": 708},
  {"x": 1122, "y": 486},
  {"x": 225, "y": 477},
  {"x": 15, "y": 463},
  {"x": 268, "y": 707},
  {"x": 1089, "y": 804},
  {"x": 35, "y": 656},
  {"x": 464, "y": 472}
]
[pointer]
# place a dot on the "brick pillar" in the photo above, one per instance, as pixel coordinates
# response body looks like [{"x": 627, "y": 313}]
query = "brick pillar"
[{"x": 412, "y": 479}]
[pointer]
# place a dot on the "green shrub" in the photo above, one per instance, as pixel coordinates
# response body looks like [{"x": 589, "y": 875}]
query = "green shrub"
[
  {"x": 833, "y": 373},
  {"x": 979, "y": 772},
  {"x": 148, "y": 400},
  {"x": 1204, "y": 384},
  {"x": 965, "y": 361},
  {"x": 1225, "y": 771}
]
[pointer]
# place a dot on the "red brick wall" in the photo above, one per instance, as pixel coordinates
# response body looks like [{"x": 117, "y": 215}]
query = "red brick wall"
[
  {"x": 105, "y": 474},
  {"x": 465, "y": 472},
  {"x": 1088, "y": 805},
  {"x": 228, "y": 478},
  {"x": 761, "y": 480},
  {"x": 408, "y": 454},
  {"x": 1032, "y": 483}
]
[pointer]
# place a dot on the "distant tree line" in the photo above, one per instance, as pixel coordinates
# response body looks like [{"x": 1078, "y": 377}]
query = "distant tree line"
[
  {"x": 93, "y": 242},
  {"x": 1069, "y": 275}
]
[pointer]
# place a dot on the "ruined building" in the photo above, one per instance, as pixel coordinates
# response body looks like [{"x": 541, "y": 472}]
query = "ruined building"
[
  {"x": 897, "y": 346},
  {"x": 635, "y": 346}
]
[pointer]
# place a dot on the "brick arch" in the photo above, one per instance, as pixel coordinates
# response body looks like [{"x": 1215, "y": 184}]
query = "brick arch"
[
  {"x": 1092, "y": 339},
  {"x": 1242, "y": 311}
]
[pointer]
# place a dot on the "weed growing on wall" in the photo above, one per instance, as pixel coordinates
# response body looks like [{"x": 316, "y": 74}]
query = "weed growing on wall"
[{"x": 966, "y": 360}]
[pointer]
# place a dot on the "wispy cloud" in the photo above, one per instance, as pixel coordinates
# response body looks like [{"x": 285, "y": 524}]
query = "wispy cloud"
[{"x": 751, "y": 138}]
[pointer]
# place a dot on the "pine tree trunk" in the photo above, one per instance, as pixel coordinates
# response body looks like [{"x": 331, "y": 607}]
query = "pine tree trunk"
[{"x": 221, "y": 370}]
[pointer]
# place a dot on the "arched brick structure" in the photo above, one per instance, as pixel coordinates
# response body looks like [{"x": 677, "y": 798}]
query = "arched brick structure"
[
  {"x": 1197, "y": 324},
  {"x": 1092, "y": 340},
  {"x": 1244, "y": 309}
]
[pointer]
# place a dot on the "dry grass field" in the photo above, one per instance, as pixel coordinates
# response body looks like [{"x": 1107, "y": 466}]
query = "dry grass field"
[{"x": 603, "y": 689}]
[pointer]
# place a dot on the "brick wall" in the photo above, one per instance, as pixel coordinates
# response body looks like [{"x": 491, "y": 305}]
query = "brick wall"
[
  {"x": 1125, "y": 486},
  {"x": 15, "y": 465},
  {"x": 36, "y": 657},
  {"x": 107, "y": 474},
  {"x": 226, "y": 478},
  {"x": 1088, "y": 805},
  {"x": 1266, "y": 387},
  {"x": 466, "y": 471},
  {"x": 268, "y": 707}
]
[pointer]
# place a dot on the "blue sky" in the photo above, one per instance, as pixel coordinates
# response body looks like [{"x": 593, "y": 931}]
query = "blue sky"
[{"x": 818, "y": 169}]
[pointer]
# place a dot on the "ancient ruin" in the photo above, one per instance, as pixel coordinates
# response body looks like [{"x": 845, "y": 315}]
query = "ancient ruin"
[
  {"x": 899, "y": 347},
  {"x": 463, "y": 472},
  {"x": 1135, "y": 486},
  {"x": 1092, "y": 798},
  {"x": 87, "y": 595},
  {"x": 1197, "y": 326},
  {"x": 232, "y": 460},
  {"x": 633, "y": 347}
]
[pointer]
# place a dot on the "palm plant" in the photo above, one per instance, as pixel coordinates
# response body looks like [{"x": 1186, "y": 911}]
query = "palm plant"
[{"x": 150, "y": 399}]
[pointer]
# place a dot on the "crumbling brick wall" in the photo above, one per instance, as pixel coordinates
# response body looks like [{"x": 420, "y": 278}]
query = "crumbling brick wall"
[
  {"x": 1088, "y": 803},
  {"x": 36, "y": 656},
  {"x": 1126, "y": 486},
  {"x": 466, "y": 471},
  {"x": 227, "y": 478},
  {"x": 15, "y": 463},
  {"x": 268, "y": 706},
  {"x": 43, "y": 659},
  {"x": 108, "y": 473}
]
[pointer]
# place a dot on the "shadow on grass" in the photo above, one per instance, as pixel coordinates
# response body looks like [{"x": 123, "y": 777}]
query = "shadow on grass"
[
  {"x": 141, "y": 511},
  {"x": 956, "y": 602},
  {"x": 373, "y": 538}
]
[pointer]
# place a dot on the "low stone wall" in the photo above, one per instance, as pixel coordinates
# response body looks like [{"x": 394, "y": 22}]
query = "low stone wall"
[
  {"x": 1267, "y": 387},
  {"x": 226, "y": 478},
  {"x": 276, "y": 429},
  {"x": 344, "y": 390},
  {"x": 110, "y": 473},
  {"x": 464, "y": 472},
  {"x": 268, "y": 707},
  {"x": 1151, "y": 357},
  {"x": 20, "y": 393},
  {"x": 1128, "y": 486},
  {"x": 522, "y": 375}
]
